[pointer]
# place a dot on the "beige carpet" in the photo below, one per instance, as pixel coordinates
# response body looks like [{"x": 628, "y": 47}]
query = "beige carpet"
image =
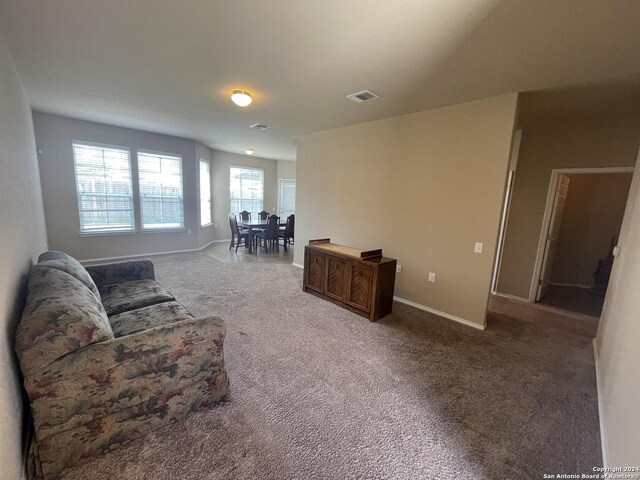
[{"x": 320, "y": 393}]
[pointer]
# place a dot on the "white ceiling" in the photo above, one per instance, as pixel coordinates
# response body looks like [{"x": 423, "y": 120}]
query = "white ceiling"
[{"x": 170, "y": 66}]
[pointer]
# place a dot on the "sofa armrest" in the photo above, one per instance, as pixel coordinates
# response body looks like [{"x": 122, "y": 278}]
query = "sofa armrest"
[
  {"x": 109, "y": 376},
  {"x": 121, "y": 272}
]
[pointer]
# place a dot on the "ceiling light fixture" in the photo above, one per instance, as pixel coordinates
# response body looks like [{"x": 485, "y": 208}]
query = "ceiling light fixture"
[
  {"x": 242, "y": 98},
  {"x": 249, "y": 151}
]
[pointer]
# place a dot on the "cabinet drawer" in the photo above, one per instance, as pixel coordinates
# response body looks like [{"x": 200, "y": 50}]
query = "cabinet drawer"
[
  {"x": 335, "y": 277},
  {"x": 315, "y": 272},
  {"x": 360, "y": 285}
]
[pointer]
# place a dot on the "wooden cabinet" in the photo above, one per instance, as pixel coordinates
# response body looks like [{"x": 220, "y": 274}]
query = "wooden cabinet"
[
  {"x": 314, "y": 272},
  {"x": 361, "y": 281}
]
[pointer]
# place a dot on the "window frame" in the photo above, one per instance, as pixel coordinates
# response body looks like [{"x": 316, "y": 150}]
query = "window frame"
[
  {"x": 111, "y": 231},
  {"x": 244, "y": 167},
  {"x": 160, "y": 229},
  {"x": 210, "y": 222}
]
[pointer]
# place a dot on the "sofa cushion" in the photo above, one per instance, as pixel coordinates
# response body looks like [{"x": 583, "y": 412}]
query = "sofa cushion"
[
  {"x": 70, "y": 265},
  {"x": 144, "y": 318},
  {"x": 61, "y": 315},
  {"x": 122, "y": 297}
]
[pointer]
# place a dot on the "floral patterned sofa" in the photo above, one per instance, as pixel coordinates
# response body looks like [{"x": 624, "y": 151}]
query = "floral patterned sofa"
[{"x": 108, "y": 355}]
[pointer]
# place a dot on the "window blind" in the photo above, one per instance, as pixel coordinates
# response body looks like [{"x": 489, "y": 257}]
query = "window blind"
[
  {"x": 205, "y": 193},
  {"x": 161, "y": 191},
  {"x": 246, "y": 190},
  {"x": 103, "y": 185}
]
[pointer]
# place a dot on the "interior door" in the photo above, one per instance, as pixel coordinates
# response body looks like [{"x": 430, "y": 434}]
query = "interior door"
[
  {"x": 553, "y": 234},
  {"x": 286, "y": 198}
]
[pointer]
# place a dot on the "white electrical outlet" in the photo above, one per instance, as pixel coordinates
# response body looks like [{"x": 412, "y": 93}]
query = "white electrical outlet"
[
  {"x": 398, "y": 268},
  {"x": 188, "y": 231},
  {"x": 215, "y": 225},
  {"x": 478, "y": 248},
  {"x": 432, "y": 277}
]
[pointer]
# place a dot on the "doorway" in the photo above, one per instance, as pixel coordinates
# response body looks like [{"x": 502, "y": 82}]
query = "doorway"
[
  {"x": 286, "y": 197},
  {"x": 579, "y": 235}
]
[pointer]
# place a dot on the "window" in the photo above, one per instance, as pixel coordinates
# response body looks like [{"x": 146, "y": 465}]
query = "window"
[
  {"x": 103, "y": 183},
  {"x": 246, "y": 190},
  {"x": 161, "y": 205},
  {"x": 205, "y": 193}
]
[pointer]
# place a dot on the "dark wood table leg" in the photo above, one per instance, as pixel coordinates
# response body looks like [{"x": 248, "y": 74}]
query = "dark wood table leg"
[{"x": 250, "y": 238}]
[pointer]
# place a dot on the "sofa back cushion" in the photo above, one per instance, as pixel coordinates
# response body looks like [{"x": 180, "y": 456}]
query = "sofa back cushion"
[
  {"x": 70, "y": 265},
  {"x": 61, "y": 315}
]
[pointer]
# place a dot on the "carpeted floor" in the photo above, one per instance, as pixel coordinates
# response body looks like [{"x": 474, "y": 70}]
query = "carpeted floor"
[
  {"x": 574, "y": 299},
  {"x": 321, "y": 393}
]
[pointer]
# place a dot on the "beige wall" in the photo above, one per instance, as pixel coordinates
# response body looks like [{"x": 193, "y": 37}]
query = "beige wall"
[
  {"x": 423, "y": 187},
  {"x": 590, "y": 142},
  {"x": 592, "y": 215},
  {"x": 618, "y": 346},
  {"x": 286, "y": 169},
  {"x": 22, "y": 239},
  {"x": 54, "y": 135},
  {"x": 221, "y": 205}
]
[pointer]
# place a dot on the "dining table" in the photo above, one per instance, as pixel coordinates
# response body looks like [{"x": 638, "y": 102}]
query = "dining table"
[{"x": 255, "y": 224}]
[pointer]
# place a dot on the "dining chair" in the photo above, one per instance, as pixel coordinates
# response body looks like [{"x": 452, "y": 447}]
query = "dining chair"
[
  {"x": 269, "y": 236},
  {"x": 236, "y": 234},
  {"x": 244, "y": 216},
  {"x": 286, "y": 233},
  {"x": 263, "y": 215}
]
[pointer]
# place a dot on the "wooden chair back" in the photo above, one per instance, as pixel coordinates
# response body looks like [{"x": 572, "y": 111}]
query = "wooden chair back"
[
  {"x": 233, "y": 224},
  {"x": 244, "y": 215},
  {"x": 263, "y": 215},
  {"x": 271, "y": 231},
  {"x": 290, "y": 226}
]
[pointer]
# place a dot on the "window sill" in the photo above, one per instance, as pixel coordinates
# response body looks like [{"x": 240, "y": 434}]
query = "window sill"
[
  {"x": 206, "y": 225},
  {"x": 163, "y": 230},
  {"x": 104, "y": 234}
]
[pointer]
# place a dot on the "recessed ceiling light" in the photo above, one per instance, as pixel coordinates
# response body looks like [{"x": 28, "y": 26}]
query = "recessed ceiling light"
[
  {"x": 249, "y": 151},
  {"x": 242, "y": 98}
]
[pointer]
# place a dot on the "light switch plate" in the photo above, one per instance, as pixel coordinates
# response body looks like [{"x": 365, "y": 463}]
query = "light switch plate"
[
  {"x": 478, "y": 248},
  {"x": 398, "y": 268},
  {"x": 432, "y": 277}
]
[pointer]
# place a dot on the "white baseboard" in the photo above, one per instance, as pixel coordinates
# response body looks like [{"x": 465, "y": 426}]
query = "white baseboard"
[
  {"x": 603, "y": 437},
  {"x": 448, "y": 316},
  {"x": 297, "y": 265},
  {"x": 578, "y": 285},
  {"x": 509, "y": 296},
  {"x": 124, "y": 257}
]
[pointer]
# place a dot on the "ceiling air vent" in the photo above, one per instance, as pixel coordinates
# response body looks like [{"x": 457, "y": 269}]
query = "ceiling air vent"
[
  {"x": 260, "y": 126},
  {"x": 363, "y": 96}
]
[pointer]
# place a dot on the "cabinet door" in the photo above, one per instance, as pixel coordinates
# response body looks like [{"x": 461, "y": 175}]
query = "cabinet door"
[
  {"x": 359, "y": 293},
  {"x": 315, "y": 275},
  {"x": 335, "y": 278}
]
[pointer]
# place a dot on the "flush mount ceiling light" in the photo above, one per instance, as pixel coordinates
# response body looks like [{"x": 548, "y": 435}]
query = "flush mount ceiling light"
[
  {"x": 249, "y": 151},
  {"x": 242, "y": 98}
]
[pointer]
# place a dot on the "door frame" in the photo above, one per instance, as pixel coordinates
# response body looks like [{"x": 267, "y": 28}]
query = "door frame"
[
  {"x": 544, "y": 229},
  {"x": 280, "y": 180},
  {"x": 506, "y": 205}
]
